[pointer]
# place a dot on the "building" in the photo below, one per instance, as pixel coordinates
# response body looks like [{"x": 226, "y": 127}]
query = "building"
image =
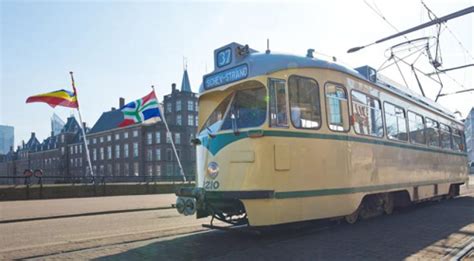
[
  {"x": 6, "y": 138},
  {"x": 469, "y": 133},
  {"x": 56, "y": 124},
  {"x": 134, "y": 152}
]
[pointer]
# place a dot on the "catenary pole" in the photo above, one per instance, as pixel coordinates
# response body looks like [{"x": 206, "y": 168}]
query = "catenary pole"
[
  {"x": 83, "y": 130},
  {"x": 172, "y": 141}
]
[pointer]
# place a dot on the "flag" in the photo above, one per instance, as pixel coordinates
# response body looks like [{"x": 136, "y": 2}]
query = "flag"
[
  {"x": 140, "y": 110},
  {"x": 56, "y": 98}
]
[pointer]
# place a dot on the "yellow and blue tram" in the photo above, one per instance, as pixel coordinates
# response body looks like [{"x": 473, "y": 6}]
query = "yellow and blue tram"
[{"x": 286, "y": 138}]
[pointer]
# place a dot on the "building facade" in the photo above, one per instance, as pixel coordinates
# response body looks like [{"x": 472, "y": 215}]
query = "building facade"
[
  {"x": 134, "y": 152},
  {"x": 469, "y": 133},
  {"x": 7, "y": 138}
]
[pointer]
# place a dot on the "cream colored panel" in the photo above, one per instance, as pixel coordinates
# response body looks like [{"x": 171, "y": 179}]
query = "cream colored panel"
[
  {"x": 282, "y": 157},
  {"x": 242, "y": 156}
]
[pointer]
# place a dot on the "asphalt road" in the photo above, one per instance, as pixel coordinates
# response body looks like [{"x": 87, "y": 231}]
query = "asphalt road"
[{"x": 432, "y": 230}]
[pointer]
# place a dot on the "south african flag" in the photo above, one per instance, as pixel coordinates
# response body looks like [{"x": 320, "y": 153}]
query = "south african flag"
[{"x": 140, "y": 110}]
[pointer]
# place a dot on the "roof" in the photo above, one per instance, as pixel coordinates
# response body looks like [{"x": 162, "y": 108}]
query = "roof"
[
  {"x": 185, "y": 85},
  {"x": 107, "y": 121},
  {"x": 266, "y": 63}
]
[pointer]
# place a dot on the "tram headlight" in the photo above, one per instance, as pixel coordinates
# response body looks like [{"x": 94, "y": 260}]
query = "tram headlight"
[{"x": 212, "y": 169}]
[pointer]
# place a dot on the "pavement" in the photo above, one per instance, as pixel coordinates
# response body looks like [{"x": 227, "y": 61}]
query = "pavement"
[
  {"x": 14, "y": 211},
  {"x": 144, "y": 227}
]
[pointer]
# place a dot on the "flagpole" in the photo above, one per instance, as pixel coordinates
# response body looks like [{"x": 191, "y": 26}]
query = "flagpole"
[
  {"x": 171, "y": 139},
  {"x": 82, "y": 128}
]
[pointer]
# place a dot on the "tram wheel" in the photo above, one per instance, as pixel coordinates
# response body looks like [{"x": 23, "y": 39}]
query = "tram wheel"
[
  {"x": 352, "y": 218},
  {"x": 389, "y": 204}
]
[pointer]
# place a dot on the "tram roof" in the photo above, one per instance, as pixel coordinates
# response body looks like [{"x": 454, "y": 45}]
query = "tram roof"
[{"x": 265, "y": 63}]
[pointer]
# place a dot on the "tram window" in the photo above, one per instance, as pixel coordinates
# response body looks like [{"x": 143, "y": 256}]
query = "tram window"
[
  {"x": 367, "y": 115},
  {"x": 336, "y": 107},
  {"x": 445, "y": 136},
  {"x": 217, "y": 116},
  {"x": 458, "y": 143},
  {"x": 432, "y": 132},
  {"x": 304, "y": 102},
  {"x": 416, "y": 126},
  {"x": 395, "y": 121},
  {"x": 278, "y": 114},
  {"x": 248, "y": 109}
]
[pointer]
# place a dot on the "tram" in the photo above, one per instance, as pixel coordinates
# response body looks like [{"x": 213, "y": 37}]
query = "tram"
[{"x": 286, "y": 138}]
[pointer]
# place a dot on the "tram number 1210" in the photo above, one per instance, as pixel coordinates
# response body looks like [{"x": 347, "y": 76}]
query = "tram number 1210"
[{"x": 211, "y": 184}]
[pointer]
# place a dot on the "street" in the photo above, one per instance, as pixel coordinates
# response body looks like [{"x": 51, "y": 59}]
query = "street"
[{"x": 431, "y": 230}]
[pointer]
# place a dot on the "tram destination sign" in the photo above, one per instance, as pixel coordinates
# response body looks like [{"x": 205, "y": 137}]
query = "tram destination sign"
[{"x": 227, "y": 76}]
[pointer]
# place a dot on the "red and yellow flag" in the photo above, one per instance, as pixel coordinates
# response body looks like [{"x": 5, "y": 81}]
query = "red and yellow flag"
[{"x": 56, "y": 98}]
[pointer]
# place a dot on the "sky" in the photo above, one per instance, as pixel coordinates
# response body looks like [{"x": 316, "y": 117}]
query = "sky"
[{"x": 119, "y": 49}]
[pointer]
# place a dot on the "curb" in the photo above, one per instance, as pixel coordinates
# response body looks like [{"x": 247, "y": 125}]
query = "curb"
[{"x": 82, "y": 214}]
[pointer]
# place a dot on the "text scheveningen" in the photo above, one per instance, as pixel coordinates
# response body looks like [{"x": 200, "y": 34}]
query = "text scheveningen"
[{"x": 230, "y": 75}]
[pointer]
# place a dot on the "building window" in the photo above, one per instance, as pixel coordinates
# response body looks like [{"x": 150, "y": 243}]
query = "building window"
[
  {"x": 71, "y": 150},
  {"x": 102, "y": 153},
  {"x": 75, "y": 149},
  {"x": 126, "y": 170},
  {"x": 416, "y": 125},
  {"x": 109, "y": 137},
  {"x": 169, "y": 170},
  {"x": 80, "y": 149},
  {"x": 150, "y": 170},
  {"x": 101, "y": 139},
  {"x": 432, "y": 132},
  {"x": 190, "y": 120},
  {"x": 125, "y": 135},
  {"x": 337, "y": 107},
  {"x": 190, "y": 105},
  {"x": 169, "y": 107},
  {"x": 135, "y": 133},
  {"x": 109, "y": 169},
  {"x": 117, "y": 169},
  {"x": 177, "y": 138},
  {"x": 149, "y": 154},
  {"x": 109, "y": 152},
  {"x": 168, "y": 137},
  {"x": 63, "y": 151},
  {"x": 278, "y": 115},
  {"x": 125, "y": 150},
  {"x": 149, "y": 138},
  {"x": 179, "y": 120},
  {"x": 117, "y": 136},
  {"x": 101, "y": 170},
  {"x": 94, "y": 154},
  {"x": 304, "y": 102},
  {"x": 367, "y": 115},
  {"x": 178, "y": 105},
  {"x": 196, "y": 106},
  {"x": 94, "y": 140},
  {"x": 157, "y": 170},
  {"x": 135, "y": 169},
  {"x": 117, "y": 151},
  {"x": 395, "y": 122},
  {"x": 157, "y": 154},
  {"x": 169, "y": 155},
  {"x": 157, "y": 137},
  {"x": 135, "y": 149},
  {"x": 196, "y": 120}
]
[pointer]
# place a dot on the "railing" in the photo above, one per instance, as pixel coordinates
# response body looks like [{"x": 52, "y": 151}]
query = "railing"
[{"x": 42, "y": 180}]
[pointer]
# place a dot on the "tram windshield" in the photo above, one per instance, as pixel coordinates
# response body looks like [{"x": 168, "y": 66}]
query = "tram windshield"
[{"x": 241, "y": 109}]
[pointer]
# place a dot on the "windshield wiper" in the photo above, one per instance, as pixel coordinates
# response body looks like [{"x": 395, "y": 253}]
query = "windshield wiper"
[{"x": 209, "y": 132}]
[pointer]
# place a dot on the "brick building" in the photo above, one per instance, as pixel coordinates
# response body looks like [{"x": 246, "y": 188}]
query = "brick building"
[{"x": 126, "y": 153}]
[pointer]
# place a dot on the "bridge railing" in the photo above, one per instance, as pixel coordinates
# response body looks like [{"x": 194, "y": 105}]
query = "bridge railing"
[{"x": 100, "y": 179}]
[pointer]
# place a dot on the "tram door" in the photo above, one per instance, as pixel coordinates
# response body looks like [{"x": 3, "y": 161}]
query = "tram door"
[
  {"x": 279, "y": 120},
  {"x": 337, "y": 114}
]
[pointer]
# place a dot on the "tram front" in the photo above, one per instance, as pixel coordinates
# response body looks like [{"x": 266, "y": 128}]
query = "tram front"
[{"x": 231, "y": 152}]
